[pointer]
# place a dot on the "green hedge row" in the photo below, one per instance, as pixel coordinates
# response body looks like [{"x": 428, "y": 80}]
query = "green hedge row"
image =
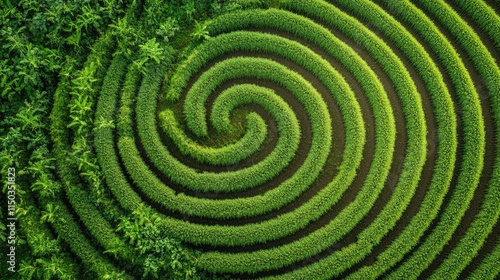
[
  {"x": 444, "y": 165},
  {"x": 288, "y": 140},
  {"x": 474, "y": 139},
  {"x": 65, "y": 225},
  {"x": 290, "y": 49},
  {"x": 168, "y": 162},
  {"x": 147, "y": 179},
  {"x": 484, "y": 15},
  {"x": 281, "y": 155},
  {"x": 487, "y": 217},
  {"x": 421, "y": 137},
  {"x": 482, "y": 226},
  {"x": 127, "y": 146},
  {"x": 34, "y": 232},
  {"x": 104, "y": 140},
  {"x": 98, "y": 226},
  {"x": 488, "y": 268}
]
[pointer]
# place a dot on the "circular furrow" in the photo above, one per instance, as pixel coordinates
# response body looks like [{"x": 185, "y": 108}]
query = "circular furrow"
[
  {"x": 313, "y": 140},
  {"x": 479, "y": 221},
  {"x": 468, "y": 184},
  {"x": 426, "y": 76},
  {"x": 483, "y": 20}
]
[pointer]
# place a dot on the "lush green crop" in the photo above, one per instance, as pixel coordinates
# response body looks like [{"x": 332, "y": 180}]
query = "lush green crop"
[{"x": 251, "y": 139}]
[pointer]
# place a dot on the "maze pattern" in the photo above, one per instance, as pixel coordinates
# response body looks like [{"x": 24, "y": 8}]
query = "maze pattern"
[{"x": 349, "y": 139}]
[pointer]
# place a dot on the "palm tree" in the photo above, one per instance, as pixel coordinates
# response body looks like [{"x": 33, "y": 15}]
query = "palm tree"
[
  {"x": 83, "y": 83},
  {"x": 43, "y": 246},
  {"x": 46, "y": 186},
  {"x": 29, "y": 117},
  {"x": 41, "y": 164},
  {"x": 113, "y": 251},
  {"x": 87, "y": 162},
  {"x": 151, "y": 50},
  {"x": 75, "y": 38},
  {"x": 79, "y": 123},
  {"x": 168, "y": 29},
  {"x": 200, "y": 31},
  {"x": 89, "y": 16},
  {"x": 16, "y": 42},
  {"x": 79, "y": 146},
  {"x": 50, "y": 214},
  {"x": 6, "y": 159},
  {"x": 124, "y": 34},
  {"x": 114, "y": 275}
]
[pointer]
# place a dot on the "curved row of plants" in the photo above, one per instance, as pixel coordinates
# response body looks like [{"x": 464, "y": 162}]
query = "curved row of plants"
[
  {"x": 486, "y": 219},
  {"x": 191, "y": 61},
  {"x": 131, "y": 169},
  {"x": 63, "y": 221},
  {"x": 202, "y": 145}
]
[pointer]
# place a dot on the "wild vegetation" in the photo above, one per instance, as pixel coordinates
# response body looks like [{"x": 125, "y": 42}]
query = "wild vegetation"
[{"x": 249, "y": 139}]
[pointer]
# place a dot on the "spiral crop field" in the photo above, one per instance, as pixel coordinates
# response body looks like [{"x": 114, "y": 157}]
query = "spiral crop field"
[{"x": 305, "y": 139}]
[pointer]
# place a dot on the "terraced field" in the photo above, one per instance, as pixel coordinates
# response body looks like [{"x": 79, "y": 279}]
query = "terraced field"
[{"x": 310, "y": 140}]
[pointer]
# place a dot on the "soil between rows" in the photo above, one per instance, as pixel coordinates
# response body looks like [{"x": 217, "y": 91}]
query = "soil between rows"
[
  {"x": 495, "y": 5},
  {"x": 452, "y": 90},
  {"x": 488, "y": 247},
  {"x": 390, "y": 184},
  {"x": 333, "y": 160},
  {"x": 427, "y": 172},
  {"x": 487, "y": 41},
  {"x": 427, "y": 116},
  {"x": 489, "y": 156},
  {"x": 318, "y": 85}
]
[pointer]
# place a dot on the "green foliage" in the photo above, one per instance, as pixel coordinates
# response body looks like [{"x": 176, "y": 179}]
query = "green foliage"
[
  {"x": 229, "y": 154},
  {"x": 126, "y": 34},
  {"x": 75, "y": 193},
  {"x": 46, "y": 268},
  {"x": 161, "y": 255},
  {"x": 168, "y": 29},
  {"x": 95, "y": 93},
  {"x": 488, "y": 269},
  {"x": 49, "y": 215},
  {"x": 150, "y": 51},
  {"x": 200, "y": 31}
]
